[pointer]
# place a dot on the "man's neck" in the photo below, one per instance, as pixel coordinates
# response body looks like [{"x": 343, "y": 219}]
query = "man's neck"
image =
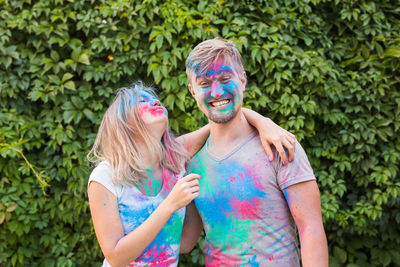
[{"x": 226, "y": 136}]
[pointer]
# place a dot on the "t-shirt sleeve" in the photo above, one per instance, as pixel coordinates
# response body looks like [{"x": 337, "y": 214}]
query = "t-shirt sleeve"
[
  {"x": 297, "y": 171},
  {"x": 102, "y": 175}
]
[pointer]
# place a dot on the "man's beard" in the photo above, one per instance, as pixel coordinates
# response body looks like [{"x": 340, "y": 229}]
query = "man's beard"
[{"x": 219, "y": 118}]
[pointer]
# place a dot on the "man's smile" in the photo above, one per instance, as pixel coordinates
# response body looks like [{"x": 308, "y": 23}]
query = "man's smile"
[{"x": 220, "y": 103}]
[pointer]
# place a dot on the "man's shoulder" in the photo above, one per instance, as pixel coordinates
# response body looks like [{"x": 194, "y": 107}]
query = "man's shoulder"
[
  {"x": 200, "y": 155},
  {"x": 253, "y": 146}
]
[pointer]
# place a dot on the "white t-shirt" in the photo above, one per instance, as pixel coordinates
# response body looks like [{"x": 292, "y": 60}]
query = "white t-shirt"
[{"x": 135, "y": 207}]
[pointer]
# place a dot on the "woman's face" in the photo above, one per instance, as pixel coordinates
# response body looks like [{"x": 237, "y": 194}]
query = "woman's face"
[{"x": 153, "y": 114}]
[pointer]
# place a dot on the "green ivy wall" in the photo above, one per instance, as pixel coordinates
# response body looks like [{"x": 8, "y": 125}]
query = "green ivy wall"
[{"x": 328, "y": 71}]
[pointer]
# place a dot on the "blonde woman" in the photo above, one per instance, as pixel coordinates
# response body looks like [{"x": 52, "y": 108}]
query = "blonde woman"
[{"x": 138, "y": 191}]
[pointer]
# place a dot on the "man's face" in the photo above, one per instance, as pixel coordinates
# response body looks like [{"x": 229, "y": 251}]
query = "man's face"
[{"x": 219, "y": 93}]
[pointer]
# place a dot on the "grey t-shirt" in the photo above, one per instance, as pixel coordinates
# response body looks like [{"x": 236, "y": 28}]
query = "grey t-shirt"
[{"x": 243, "y": 206}]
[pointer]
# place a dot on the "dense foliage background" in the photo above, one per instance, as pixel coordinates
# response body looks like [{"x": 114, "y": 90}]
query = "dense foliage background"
[{"x": 328, "y": 71}]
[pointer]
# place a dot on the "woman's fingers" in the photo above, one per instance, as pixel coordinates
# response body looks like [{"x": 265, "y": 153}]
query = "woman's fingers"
[
  {"x": 190, "y": 177},
  {"x": 193, "y": 183},
  {"x": 290, "y": 149},
  {"x": 194, "y": 189},
  {"x": 268, "y": 150},
  {"x": 281, "y": 151}
]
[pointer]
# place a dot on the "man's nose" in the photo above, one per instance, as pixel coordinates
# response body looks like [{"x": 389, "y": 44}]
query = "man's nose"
[{"x": 216, "y": 90}]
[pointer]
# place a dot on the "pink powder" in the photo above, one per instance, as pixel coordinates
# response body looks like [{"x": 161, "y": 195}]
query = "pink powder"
[
  {"x": 246, "y": 209},
  {"x": 215, "y": 258}
]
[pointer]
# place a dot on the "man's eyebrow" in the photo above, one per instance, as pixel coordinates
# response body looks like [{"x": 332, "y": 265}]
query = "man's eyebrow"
[
  {"x": 200, "y": 77},
  {"x": 226, "y": 73}
]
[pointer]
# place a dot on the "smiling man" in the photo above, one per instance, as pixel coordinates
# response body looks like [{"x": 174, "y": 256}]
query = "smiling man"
[{"x": 250, "y": 207}]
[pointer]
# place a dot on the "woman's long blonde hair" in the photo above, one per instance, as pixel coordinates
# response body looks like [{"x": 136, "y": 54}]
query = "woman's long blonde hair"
[{"x": 116, "y": 140}]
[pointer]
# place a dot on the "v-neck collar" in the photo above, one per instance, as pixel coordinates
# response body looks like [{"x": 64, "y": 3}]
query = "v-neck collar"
[{"x": 234, "y": 150}]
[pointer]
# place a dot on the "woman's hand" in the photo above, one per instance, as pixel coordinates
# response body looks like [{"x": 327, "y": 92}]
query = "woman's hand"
[
  {"x": 273, "y": 134},
  {"x": 184, "y": 191}
]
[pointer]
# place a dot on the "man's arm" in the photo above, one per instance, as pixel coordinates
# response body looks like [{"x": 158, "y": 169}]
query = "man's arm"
[
  {"x": 192, "y": 228},
  {"x": 304, "y": 203},
  {"x": 271, "y": 134}
]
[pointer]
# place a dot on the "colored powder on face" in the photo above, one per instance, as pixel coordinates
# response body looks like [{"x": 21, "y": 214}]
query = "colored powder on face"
[
  {"x": 218, "y": 69},
  {"x": 227, "y": 88},
  {"x": 153, "y": 110},
  {"x": 193, "y": 65}
]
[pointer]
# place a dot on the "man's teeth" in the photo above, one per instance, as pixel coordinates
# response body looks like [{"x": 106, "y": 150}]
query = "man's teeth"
[{"x": 220, "y": 103}]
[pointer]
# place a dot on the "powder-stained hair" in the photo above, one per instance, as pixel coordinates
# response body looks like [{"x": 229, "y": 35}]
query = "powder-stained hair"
[
  {"x": 118, "y": 135},
  {"x": 208, "y": 52}
]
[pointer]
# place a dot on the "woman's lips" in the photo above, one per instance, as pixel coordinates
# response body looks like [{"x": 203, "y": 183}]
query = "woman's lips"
[{"x": 157, "y": 109}]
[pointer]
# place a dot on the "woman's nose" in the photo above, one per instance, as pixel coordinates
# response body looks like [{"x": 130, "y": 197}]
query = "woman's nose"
[{"x": 156, "y": 102}]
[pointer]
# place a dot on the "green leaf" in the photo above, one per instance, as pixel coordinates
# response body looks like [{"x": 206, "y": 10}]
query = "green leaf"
[
  {"x": 77, "y": 102},
  {"x": 12, "y": 207},
  {"x": 340, "y": 254},
  {"x": 68, "y": 115},
  {"x": 54, "y": 79},
  {"x": 159, "y": 41},
  {"x": 54, "y": 55},
  {"x": 70, "y": 85},
  {"x": 89, "y": 114},
  {"x": 393, "y": 51},
  {"x": 2, "y": 217},
  {"x": 84, "y": 59},
  {"x": 66, "y": 77}
]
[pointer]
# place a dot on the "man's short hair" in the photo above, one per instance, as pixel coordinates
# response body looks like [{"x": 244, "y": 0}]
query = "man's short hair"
[{"x": 207, "y": 53}]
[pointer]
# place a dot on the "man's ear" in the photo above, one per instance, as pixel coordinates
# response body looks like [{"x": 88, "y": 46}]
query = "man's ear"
[
  {"x": 243, "y": 80},
  {"x": 191, "y": 89}
]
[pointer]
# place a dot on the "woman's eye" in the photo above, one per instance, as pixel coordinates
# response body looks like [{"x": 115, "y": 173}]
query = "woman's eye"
[{"x": 204, "y": 84}]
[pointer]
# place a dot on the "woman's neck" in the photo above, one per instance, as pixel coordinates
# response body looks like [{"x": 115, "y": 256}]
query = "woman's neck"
[{"x": 150, "y": 159}]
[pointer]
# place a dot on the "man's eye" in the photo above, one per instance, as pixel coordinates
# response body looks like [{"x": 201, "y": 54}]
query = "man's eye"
[
  {"x": 204, "y": 84},
  {"x": 225, "y": 79}
]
